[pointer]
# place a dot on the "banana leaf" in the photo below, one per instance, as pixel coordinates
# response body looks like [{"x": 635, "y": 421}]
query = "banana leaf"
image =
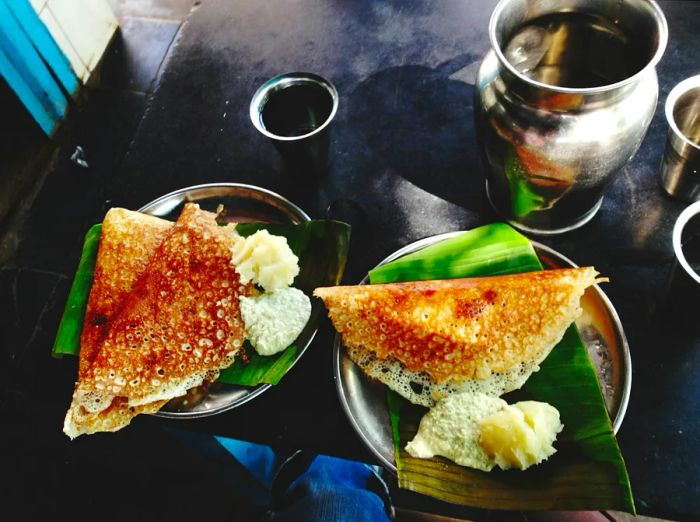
[
  {"x": 321, "y": 247},
  {"x": 68, "y": 336},
  {"x": 259, "y": 369},
  {"x": 491, "y": 249},
  {"x": 587, "y": 472}
]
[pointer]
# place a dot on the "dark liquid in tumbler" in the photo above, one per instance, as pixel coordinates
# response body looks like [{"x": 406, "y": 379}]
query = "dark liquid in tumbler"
[
  {"x": 691, "y": 251},
  {"x": 576, "y": 50},
  {"x": 678, "y": 306},
  {"x": 297, "y": 110}
]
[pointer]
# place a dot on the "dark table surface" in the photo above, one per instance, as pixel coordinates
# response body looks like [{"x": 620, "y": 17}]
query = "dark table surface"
[{"x": 404, "y": 165}]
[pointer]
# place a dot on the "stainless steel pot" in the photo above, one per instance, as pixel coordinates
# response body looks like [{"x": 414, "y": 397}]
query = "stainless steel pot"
[{"x": 562, "y": 102}]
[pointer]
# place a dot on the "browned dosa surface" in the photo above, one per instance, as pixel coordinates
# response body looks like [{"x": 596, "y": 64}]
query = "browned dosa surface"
[
  {"x": 460, "y": 328},
  {"x": 127, "y": 242},
  {"x": 176, "y": 326}
]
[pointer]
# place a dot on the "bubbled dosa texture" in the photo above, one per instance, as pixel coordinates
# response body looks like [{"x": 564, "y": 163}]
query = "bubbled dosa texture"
[
  {"x": 127, "y": 242},
  {"x": 175, "y": 328},
  {"x": 457, "y": 329}
]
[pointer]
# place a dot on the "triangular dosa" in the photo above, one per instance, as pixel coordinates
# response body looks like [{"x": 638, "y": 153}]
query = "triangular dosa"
[
  {"x": 127, "y": 241},
  {"x": 457, "y": 330},
  {"x": 177, "y": 327}
]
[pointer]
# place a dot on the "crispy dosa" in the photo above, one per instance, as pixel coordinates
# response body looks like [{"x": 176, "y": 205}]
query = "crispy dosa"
[
  {"x": 487, "y": 334},
  {"x": 127, "y": 241},
  {"x": 177, "y": 327}
]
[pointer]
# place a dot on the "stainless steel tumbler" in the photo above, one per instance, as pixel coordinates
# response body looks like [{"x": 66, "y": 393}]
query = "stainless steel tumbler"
[
  {"x": 680, "y": 168},
  {"x": 294, "y": 111}
]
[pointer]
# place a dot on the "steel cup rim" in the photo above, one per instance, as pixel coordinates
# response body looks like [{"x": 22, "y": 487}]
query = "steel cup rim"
[
  {"x": 685, "y": 216},
  {"x": 679, "y": 90},
  {"x": 661, "y": 23},
  {"x": 284, "y": 80}
]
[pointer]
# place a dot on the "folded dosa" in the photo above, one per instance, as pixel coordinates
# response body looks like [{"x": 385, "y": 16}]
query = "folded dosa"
[
  {"x": 127, "y": 241},
  {"x": 176, "y": 327},
  {"x": 488, "y": 334}
]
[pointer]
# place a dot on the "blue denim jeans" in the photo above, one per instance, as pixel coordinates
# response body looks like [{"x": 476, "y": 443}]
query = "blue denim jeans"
[
  {"x": 300, "y": 487},
  {"x": 332, "y": 489}
]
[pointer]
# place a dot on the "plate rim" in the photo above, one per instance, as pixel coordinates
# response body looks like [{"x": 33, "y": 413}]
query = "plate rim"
[
  {"x": 430, "y": 240},
  {"x": 289, "y": 206},
  {"x": 224, "y": 184}
]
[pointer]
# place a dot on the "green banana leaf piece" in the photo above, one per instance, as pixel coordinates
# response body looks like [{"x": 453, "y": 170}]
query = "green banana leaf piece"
[
  {"x": 587, "y": 472},
  {"x": 259, "y": 369},
  {"x": 321, "y": 247},
  {"x": 491, "y": 249},
  {"x": 67, "y": 340}
]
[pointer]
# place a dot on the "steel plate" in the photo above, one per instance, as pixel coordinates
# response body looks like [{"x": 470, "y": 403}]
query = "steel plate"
[
  {"x": 242, "y": 203},
  {"x": 365, "y": 403}
]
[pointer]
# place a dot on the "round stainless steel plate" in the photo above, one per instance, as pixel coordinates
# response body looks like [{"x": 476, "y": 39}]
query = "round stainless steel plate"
[
  {"x": 364, "y": 401},
  {"x": 242, "y": 203}
]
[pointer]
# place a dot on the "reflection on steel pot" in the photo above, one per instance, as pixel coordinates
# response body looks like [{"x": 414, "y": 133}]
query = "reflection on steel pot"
[{"x": 562, "y": 103}]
